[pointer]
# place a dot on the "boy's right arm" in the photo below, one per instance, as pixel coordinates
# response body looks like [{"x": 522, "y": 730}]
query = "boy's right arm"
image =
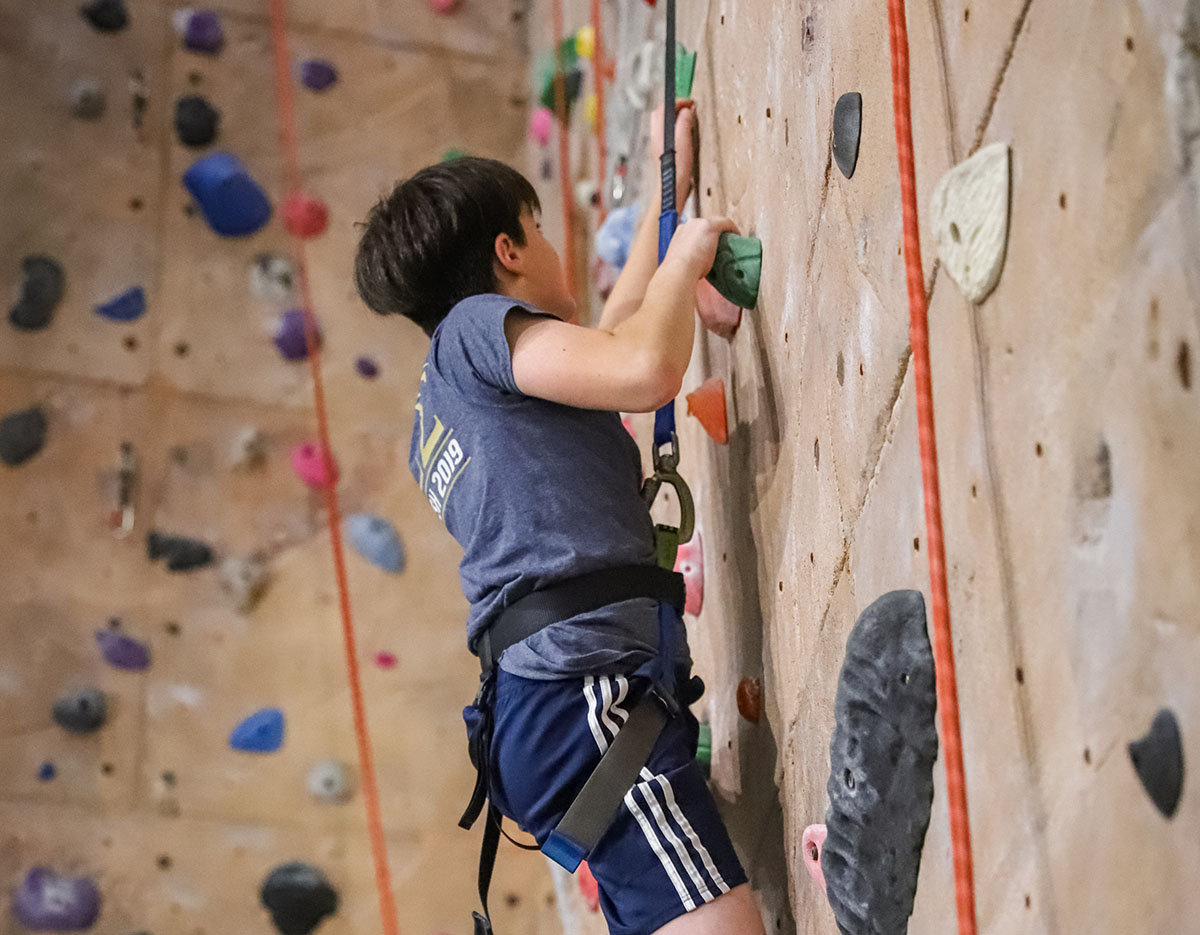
[{"x": 639, "y": 364}]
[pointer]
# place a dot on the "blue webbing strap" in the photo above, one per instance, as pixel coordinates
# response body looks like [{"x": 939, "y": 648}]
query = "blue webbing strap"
[{"x": 668, "y": 220}]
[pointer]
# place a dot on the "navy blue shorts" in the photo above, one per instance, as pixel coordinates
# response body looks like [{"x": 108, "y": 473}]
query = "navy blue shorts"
[{"x": 667, "y": 850}]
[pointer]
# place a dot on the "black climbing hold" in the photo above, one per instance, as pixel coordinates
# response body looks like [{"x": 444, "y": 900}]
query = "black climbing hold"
[
  {"x": 46, "y": 772},
  {"x": 195, "y": 121},
  {"x": 106, "y": 15},
  {"x": 87, "y": 99},
  {"x": 181, "y": 553},
  {"x": 1158, "y": 759},
  {"x": 81, "y": 713},
  {"x": 881, "y": 768},
  {"x": 298, "y": 897},
  {"x": 22, "y": 435},
  {"x": 847, "y": 127},
  {"x": 41, "y": 292}
]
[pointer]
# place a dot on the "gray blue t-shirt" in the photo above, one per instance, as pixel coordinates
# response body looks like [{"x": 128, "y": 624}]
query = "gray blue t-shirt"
[{"x": 535, "y": 493}]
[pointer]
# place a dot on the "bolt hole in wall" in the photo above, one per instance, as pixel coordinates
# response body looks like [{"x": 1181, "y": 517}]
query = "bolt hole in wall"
[
  {"x": 967, "y": 15},
  {"x": 954, "y": 233},
  {"x": 1020, "y": 675},
  {"x": 1183, "y": 364},
  {"x": 1062, "y": 200}
]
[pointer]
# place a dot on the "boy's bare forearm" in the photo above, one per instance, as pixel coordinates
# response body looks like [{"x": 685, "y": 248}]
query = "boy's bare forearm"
[{"x": 662, "y": 322}]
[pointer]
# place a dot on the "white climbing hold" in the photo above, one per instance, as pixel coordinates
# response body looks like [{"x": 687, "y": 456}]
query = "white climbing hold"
[
  {"x": 246, "y": 580},
  {"x": 970, "y": 216},
  {"x": 330, "y": 781}
]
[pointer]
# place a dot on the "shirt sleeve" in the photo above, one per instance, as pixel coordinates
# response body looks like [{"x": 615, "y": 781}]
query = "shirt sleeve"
[{"x": 471, "y": 350}]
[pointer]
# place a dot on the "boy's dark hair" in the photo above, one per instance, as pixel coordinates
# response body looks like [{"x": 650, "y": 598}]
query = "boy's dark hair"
[{"x": 430, "y": 243}]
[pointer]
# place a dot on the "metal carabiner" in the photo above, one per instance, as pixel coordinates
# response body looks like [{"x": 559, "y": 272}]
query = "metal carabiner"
[{"x": 665, "y": 472}]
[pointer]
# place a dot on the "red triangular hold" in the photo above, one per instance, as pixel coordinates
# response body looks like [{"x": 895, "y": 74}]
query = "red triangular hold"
[{"x": 707, "y": 403}]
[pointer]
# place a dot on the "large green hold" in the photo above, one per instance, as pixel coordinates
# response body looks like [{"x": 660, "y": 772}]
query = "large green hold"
[
  {"x": 737, "y": 268},
  {"x": 685, "y": 70}
]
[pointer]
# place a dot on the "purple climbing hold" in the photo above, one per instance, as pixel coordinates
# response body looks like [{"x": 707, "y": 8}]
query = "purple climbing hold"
[
  {"x": 123, "y": 652},
  {"x": 106, "y": 15},
  {"x": 317, "y": 74},
  {"x": 366, "y": 367},
  {"x": 261, "y": 732},
  {"x": 128, "y": 306},
  {"x": 202, "y": 32},
  {"x": 51, "y": 902},
  {"x": 290, "y": 337},
  {"x": 46, "y": 772}
]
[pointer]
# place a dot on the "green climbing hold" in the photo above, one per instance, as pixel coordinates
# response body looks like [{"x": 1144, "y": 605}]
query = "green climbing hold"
[
  {"x": 685, "y": 70},
  {"x": 737, "y": 268},
  {"x": 453, "y": 153}
]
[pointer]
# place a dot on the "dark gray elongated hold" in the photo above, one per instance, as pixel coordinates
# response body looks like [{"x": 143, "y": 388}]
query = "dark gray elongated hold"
[
  {"x": 107, "y": 15},
  {"x": 41, "y": 291},
  {"x": 881, "y": 768},
  {"x": 298, "y": 897},
  {"x": 22, "y": 435},
  {"x": 81, "y": 713},
  {"x": 195, "y": 121},
  {"x": 1158, "y": 759},
  {"x": 181, "y": 553},
  {"x": 847, "y": 128}
]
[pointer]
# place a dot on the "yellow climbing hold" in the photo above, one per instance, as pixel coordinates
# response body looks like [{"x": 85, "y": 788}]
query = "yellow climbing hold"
[
  {"x": 585, "y": 42},
  {"x": 590, "y": 110}
]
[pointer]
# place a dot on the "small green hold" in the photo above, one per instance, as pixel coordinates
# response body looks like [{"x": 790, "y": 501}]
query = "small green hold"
[
  {"x": 704, "y": 748},
  {"x": 685, "y": 70},
  {"x": 453, "y": 153},
  {"x": 737, "y": 268}
]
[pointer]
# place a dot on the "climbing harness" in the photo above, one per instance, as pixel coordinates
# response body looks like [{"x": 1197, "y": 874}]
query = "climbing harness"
[
  {"x": 943, "y": 647},
  {"x": 594, "y": 808}
]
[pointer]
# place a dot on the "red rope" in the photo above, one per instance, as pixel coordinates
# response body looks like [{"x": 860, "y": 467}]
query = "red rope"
[
  {"x": 943, "y": 646},
  {"x": 564, "y": 148},
  {"x": 600, "y": 76},
  {"x": 370, "y": 789}
]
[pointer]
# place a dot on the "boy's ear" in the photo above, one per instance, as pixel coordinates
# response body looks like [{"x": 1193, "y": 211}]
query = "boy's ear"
[{"x": 508, "y": 254}]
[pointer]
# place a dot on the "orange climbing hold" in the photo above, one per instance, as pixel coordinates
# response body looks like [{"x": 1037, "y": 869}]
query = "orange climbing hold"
[
  {"x": 750, "y": 699},
  {"x": 304, "y": 215},
  {"x": 707, "y": 403}
]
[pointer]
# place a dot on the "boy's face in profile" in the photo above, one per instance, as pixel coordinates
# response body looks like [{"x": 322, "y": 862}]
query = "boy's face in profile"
[{"x": 544, "y": 283}]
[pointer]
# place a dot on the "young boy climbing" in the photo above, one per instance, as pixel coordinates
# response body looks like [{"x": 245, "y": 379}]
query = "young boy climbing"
[{"x": 518, "y": 445}]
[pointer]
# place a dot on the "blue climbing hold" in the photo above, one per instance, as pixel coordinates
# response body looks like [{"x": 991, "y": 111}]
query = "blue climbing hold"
[
  {"x": 376, "y": 540},
  {"x": 232, "y": 202},
  {"x": 317, "y": 74},
  {"x": 128, "y": 306},
  {"x": 123, "y": 652},
  {"x": 46, "y": 772},
  {"x": 261, "y": 732},
  {"x": 615, "y": 235}
]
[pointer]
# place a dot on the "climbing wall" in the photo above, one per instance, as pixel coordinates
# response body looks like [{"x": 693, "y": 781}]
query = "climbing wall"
[
  {"x": 1067, "y": 425},
  {"x": 177, "y": 829}
]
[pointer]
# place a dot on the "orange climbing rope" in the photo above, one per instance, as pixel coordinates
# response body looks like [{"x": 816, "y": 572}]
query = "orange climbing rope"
[
  {"x": 599, "y": 77},
  {"x": 291, "y": 168},
  {"x": 564, "y": 147},
  {"x": 918, "y": 331}
]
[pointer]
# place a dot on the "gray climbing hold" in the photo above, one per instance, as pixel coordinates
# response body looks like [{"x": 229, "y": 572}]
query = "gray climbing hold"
[
  {"x": 847, "y": 129},
  {"x": 246, "y": 580},
  {"x": 1158, "y": 759},
  {"x": 51, "y": 902},
  {"x": 376, "y": 540},
  {"x": 299, "y": 897},
  {"x": 181, "y": 553},
  {"x": 83, "y": 712},
  {"x": 22, "y": 435},
  {"x": 106, "y": 15},
  {"x": 87, "y": 99},
  {"x": 970, "y": 220},
  {"x": 123, "y": 652},
  {"x": 196, "y": 121},
  {"x": 330, "y": 781},
  {"x": 41, "y": 291},
  {"x": 272, "y": 278},
  {"x": 881, "y": 768}
]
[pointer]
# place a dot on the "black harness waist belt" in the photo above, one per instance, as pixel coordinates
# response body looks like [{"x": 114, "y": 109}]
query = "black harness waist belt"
[{"x": 573, "y": 597}]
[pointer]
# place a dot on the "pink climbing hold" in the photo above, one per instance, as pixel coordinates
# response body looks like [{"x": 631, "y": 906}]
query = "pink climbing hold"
[
  {"x": 444, "y": 7},
  {"x": 385, "y": 660},
  {"x": 541, "y": 123},
  {"x": 811, "y": 843},
  {"x": 717, "y": 313},
  {"x": 309, "y": 465},
  {"x": 305, "y": 216},
  {"x": 589, "y": 887},
  {"x": 689, "y": 562}
]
